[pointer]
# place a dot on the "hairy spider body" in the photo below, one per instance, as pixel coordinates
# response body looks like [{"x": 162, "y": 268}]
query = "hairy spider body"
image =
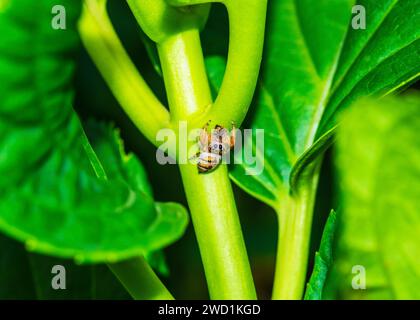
[
  {"x": 207, "y": 161},
  {"x": 213, "y": 146}
]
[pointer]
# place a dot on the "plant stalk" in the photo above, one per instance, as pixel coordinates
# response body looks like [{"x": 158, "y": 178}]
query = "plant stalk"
[
  {"x": 140, "y": 280},
  {"x": 185, "y": 75},
  {"x": 219, "y": 233},
  {"x": 295, "y": 212},
  {"x": 210, "y": 197},
  {"x": 119, "y": 72}
]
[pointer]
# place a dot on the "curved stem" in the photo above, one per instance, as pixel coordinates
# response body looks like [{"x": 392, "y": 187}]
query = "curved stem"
[
  {"x": 246, "y": 41},
  {"x": 209, "y": 196},
  {"x": 140, "y": 280},
  {"x": 119, "y": 72},
  {"x": 295, "y": 221}
]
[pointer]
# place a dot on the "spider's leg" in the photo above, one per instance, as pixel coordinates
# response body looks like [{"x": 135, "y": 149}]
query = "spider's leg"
[
  {"x": 206, "y": 126},
  {"x": 233, "y": 135},
  {"x": 195, "y": 157}
]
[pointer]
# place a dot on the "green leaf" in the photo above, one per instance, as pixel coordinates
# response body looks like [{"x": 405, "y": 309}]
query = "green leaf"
[
  {"x": 102, "y": 220},
  {"x": 316, "y": 64},
  {"x": 323, "y": 261},
  {"x": 58, "y": 194},
  {"x": 36, "y": 68},
  {"x": 378, "y": 158}
]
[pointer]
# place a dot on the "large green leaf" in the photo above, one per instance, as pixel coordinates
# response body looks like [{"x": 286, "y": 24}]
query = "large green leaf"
[
  {"x": 378, "y": 158},
  {"x": 58, "y": 194},
  {"x": 315, "y": 64},
  {"x": 323, "y": 261}
]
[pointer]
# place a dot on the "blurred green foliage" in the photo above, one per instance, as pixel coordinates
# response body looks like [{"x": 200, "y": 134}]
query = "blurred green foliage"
[{"x": 378, "y": 160}]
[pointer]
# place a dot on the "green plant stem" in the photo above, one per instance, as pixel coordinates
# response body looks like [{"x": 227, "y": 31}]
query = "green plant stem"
[
  {"x": 140, "y": 280},
  {"x": 295, "y": 214},
  {"x": 119, "y": 72},
  {"x": 185, "y": 75},
  {"x": 219, "y": 233},
  {"x": 246, "y": 41},
  {"x": 209, "y": 196}
]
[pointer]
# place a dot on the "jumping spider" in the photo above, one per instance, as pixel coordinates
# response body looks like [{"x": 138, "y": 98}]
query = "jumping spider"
[{"x": 213, "y": 146}]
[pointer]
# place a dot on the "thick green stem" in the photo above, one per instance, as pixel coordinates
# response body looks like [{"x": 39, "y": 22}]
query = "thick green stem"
[
  {"x": 295, "y": 221},
  {"x": 209, "y": 196},
  {"x": 140, "y": 280},
  {"x": 185, "y": 75},
  {"x": 219, "y": 233}
]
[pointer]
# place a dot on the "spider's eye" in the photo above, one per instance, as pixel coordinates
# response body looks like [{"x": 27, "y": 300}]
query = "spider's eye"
[{"x": 220, "y": 147}]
